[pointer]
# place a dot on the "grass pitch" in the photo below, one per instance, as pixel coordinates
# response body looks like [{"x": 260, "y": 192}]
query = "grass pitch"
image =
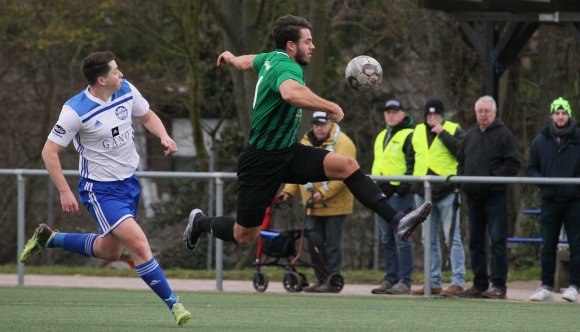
[{"x": 45, "y": 309}]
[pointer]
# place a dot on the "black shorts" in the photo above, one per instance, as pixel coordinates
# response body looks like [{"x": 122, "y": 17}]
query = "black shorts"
[{"x": 260, "y": 174}]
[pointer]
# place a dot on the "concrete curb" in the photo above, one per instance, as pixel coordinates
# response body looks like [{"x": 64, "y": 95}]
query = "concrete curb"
[{"x": 517, "y": 291}]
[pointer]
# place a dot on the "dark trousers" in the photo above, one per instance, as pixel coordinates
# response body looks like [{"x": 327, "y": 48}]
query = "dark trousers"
[
  {"x": 554, "y": 215},
  {"x": 398, "y": 252},
  {"x": 488, "y": 215},
  {"x": 326, "y": 233}
]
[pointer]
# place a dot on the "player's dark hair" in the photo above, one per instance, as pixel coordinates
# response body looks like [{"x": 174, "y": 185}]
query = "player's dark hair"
[
  {"x": 96, "y": 64},
  {"x": 287, "y": 28}
]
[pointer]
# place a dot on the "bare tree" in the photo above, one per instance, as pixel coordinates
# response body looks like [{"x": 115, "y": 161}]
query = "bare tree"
[
  {"x": 240, "y": 29},
  {"x": 172, "y": 30}
]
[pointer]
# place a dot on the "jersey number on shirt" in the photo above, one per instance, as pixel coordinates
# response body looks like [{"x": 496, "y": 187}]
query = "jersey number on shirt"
[{"x": 256, "y": 92}]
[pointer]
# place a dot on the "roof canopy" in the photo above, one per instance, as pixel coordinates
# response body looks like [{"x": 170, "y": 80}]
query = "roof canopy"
[
  {"x": 521, "y": 6},
  {"x": 510, "y": 23}
]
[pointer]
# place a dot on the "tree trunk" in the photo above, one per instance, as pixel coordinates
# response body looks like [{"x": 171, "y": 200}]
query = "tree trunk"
[
  {"x": 315, "y": 71},
  {"x": 240, "y": 38},
  {"x": 190, "y": 22}
]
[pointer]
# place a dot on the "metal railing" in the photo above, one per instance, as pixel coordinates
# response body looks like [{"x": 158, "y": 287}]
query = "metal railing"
[
  {"x": 427, "y": 180},
  {"x": 21, "y": 175},
  {"x": 219, "y": 178}
]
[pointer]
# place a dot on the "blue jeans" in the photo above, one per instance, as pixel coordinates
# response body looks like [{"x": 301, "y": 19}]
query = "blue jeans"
[
  {"x": 326, "y": 233},
  {"x": 398, "y": 263},
  {"x": 554, "y": 215},
  {"x": 442, "y": 215},
  {"x": 488, "y": 214}
]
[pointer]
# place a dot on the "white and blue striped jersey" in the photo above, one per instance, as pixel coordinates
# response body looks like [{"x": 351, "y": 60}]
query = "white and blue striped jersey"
[{"x": 102, "y": 132}]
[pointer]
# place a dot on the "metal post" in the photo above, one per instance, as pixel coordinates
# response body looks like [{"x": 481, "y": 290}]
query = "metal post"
[
  {"x": 492, "y": 70},
  {"x": 219, "y": 244},
  {"x": 211, "y": 205},
  {"x": 427, "y": 244},
  {"x": 21, "y": 185},
  {"x": 377, "y": 245},
  {"x": 50, "y": 214}
]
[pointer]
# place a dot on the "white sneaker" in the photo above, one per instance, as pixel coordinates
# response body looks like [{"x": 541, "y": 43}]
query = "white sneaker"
[
  {"x": 570, "y": 294},
  {"x": 542, "y": 294}
]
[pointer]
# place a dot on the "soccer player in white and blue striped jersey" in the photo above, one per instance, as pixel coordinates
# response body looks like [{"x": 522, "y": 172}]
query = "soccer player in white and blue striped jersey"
[{"x": 99, "y": 122}]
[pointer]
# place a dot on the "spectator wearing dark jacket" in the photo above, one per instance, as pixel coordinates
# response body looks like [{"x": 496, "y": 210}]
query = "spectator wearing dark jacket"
[
  {"x": 555, "y": 152},
  {"x": 488, "y": 149}
]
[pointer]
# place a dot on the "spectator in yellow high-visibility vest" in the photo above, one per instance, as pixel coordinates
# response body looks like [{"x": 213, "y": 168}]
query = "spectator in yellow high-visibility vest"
[
  {"x": 393, "y": 155},
  {"x": 435, "y": 143}
]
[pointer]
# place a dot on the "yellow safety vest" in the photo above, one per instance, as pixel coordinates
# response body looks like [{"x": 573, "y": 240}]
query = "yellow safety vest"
[
  {"x": 436, "y": 157},
  {"x": 390, "y": 160}
]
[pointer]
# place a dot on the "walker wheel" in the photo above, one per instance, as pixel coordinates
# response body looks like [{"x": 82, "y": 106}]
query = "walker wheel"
[
  {"x": 260, "y": 281},
  {"x": 292, "y": 282},
  {"x": 336, "y": 282}
]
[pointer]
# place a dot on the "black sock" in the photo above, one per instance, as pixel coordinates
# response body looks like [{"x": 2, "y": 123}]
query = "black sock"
[
  {"x": 220, "y": 227},
  {"x": 371, "y": 196}
]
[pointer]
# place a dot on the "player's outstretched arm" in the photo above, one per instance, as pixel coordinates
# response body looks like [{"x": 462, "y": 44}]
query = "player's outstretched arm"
[
  {"x": 51, "y": 160},
  {"x": 154, "y": 125},
  {"x": 301, "y": 96},
  {"x": 242, "y": 62}
]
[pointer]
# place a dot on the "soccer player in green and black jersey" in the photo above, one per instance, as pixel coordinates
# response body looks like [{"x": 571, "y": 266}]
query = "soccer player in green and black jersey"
[{"x": 273, "y": 156}]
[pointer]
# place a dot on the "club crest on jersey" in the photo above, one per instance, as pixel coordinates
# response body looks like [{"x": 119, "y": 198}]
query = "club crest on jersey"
[
  {"x": 58, "y": 130},
  {"x": 121, "y": 112}
]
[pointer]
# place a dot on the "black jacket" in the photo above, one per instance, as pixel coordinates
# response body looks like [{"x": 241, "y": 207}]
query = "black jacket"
[
  {"x": 491, "y": 152},
  {"x": 557, "y": 158}
]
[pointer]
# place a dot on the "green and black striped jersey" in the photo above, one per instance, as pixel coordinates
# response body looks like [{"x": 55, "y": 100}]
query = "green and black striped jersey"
[{"x": 274, "y": 121}]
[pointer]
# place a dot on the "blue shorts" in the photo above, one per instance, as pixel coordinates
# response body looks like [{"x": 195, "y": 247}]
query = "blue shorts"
[{"x": 110, "y": 202}]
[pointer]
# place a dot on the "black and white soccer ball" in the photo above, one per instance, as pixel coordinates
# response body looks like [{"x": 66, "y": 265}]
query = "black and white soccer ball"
[{"x": 363, "y": 73}]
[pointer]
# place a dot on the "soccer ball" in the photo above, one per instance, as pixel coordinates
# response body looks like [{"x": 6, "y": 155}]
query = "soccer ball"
[{"x": 363, "y": 73}]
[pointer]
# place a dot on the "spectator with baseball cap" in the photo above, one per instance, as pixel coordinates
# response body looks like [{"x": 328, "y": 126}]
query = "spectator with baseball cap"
[
  {"x": 331, "y": 200},
  {"x": 393, "y": 155}
]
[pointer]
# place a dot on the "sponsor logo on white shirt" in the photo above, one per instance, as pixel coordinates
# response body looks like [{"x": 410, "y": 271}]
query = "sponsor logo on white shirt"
[{"x": 58, "y": 130}]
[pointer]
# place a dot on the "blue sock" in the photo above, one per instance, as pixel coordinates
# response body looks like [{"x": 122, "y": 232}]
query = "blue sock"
[
  {"x": 154, "y": 277},
  {"x": 78, "y": 243}
]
